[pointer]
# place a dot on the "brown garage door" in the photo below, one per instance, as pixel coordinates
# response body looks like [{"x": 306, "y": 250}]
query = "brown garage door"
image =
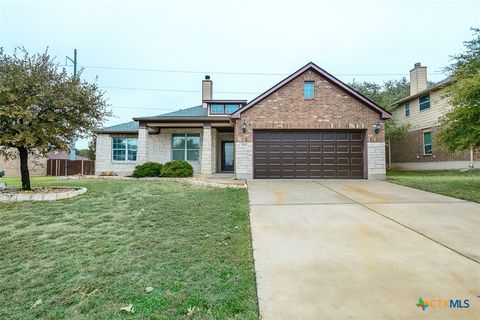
[{"x": 308, "y": 154}]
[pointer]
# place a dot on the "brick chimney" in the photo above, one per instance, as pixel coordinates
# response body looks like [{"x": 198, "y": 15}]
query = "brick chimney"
[
  {"x": 207, "y": 85},
  {"x": 418, "y": 78}
]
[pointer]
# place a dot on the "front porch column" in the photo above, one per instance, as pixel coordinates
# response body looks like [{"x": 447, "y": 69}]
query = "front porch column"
[
  {"x": 142, "y": 143},
  {"x": 206, "y": 165}
]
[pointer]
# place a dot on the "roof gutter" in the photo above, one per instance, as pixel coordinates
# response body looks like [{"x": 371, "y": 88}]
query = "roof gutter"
[{"x": 438, "y": 86}]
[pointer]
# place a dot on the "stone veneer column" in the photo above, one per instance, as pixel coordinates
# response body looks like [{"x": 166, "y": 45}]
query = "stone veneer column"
[
  {"x": 206, "y": 161},
  {"x": 376, "y": 160},
  {"x": 244, "y": 160},
  {"x": 142, "y": 144},
  {"x": 214, "y": 150}
]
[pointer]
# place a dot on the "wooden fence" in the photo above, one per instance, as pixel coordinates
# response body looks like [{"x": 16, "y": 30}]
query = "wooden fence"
[{"x": 56, "y": 167}]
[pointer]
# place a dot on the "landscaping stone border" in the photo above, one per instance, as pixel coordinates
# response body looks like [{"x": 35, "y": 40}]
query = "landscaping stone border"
[
  {"x": 192, "y": 181},
  {"x": 53, "y": 196}
]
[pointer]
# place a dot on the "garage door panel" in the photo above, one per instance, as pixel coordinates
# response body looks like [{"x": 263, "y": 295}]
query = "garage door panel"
[
  {"x": 301, "y": 161},
  {"x": 342, "y": 136},
  {"x": 356, "y": 173},
  {"x": 328, "y": 136},
  {"x": 343, "y": 148},
  {"x": 356, "y": 136},
  {"x": 356, "y": 161},
  {"x": 329, "y": 173},
  {"x": 316, "y": 149},
  {"x": 328, "y": 148},
  {"x": 356, "y": 149},
  {"x": 308, "y": 154},
  {"x": 315, "y": 136},
  {"x": 328, "y": 161},
  {"x": 342, "y": 173}
]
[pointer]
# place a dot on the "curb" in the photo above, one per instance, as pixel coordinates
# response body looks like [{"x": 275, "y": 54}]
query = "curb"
[
  {"x": 183, "y": 180},
  {"x": 13, "y": 197}
]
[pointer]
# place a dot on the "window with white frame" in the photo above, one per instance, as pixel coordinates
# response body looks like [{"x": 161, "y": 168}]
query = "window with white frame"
[
  {"x": 186, "y": 146},
  {"x": 124, "y": 149},
  {"x": 407, "y": 109},
  {"x": 427, "y": 143}
]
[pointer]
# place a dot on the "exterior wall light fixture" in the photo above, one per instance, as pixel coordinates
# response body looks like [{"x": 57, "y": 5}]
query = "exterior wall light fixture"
[
  {"x": 378, "y": 127},
  {"x": 244, "y": 126}
]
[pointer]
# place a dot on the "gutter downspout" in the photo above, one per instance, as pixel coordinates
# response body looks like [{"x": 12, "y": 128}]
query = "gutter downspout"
[{"x": 472, "y": 162}]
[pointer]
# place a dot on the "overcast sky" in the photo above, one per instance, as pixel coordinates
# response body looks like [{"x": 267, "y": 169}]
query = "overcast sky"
[{"x": 264, "y": 40}]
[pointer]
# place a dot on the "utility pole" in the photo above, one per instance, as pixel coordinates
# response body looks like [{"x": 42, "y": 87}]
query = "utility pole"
[{"x": 74, "y": 61}]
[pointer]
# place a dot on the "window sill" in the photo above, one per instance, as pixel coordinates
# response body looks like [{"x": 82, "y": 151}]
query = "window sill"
[
  {"x": 309, "y": 99},
  {"x": 124, "y": 161}
]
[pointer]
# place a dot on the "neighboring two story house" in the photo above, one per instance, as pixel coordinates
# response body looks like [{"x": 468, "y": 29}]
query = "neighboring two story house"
[
  {"x": 422, "y": 109},
  {"x": 309, "y": 125}
]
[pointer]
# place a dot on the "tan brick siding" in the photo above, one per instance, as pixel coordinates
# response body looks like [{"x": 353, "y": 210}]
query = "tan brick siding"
[
  {"x": 158, "y": 149},
  {"x": 332, "y": 108},
  {"x": 37, "y": 166},
  {"x": 376, "y": 160}
]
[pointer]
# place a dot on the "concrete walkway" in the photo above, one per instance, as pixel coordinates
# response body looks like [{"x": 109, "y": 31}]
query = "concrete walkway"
[{"x": 362, "y": 250}]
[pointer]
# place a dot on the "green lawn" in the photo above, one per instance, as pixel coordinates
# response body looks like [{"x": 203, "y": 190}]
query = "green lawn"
[
  {"x": 453, "y": 183},
  {"x": 89, "y": 256}
]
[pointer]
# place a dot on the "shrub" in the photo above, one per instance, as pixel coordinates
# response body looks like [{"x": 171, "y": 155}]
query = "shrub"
[
  {"x": 148, "y": 169},
  {"x": 108, "y": 174},
  {"x": 2, "y": 173},
  {"x": 177, "y": 168}
]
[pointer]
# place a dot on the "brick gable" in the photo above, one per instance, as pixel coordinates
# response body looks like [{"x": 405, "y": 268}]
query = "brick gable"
[{"x": 286, "y": 108}]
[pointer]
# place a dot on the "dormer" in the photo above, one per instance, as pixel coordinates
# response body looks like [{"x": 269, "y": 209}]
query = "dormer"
[{"x": 218, "y": 107}]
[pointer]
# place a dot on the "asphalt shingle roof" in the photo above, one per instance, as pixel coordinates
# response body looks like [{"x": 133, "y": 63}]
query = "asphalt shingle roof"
[
  {"x": 197, "y": 111},
  {"x": 131, "y": 126}
]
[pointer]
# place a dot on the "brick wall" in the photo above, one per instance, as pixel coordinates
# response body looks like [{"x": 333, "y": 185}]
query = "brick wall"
[
  {"x": 157, "y": 149},
  {"x": 103, "y": 157},
  {"x": 410, "y": 149},
  {"x": 332, "y": 108},
  {"x": 286, "y": 108}
]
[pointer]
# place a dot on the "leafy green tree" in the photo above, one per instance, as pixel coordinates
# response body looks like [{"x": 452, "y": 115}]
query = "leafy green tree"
[
  {"x": 92, "y": 146},
  {"x": 385, "y": 96},
  {"x": 462, "y": 122},
  {"x": 83, "y": 153},
  {"x": 43, "y": 109}
]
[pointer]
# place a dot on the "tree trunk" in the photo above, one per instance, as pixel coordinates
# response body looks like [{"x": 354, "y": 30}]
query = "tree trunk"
[{"x": 24, "y": 168}]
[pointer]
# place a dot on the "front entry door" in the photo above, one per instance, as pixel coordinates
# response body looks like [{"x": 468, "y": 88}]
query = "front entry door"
[{"x": 227, "y": 156}]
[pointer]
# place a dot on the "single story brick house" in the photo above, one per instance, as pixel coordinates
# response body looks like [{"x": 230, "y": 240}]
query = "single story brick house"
[{"x": 309, "y": 125}]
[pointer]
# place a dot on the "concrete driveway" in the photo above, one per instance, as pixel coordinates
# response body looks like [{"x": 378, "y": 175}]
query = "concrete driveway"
[{"x": 362, "y": 250}]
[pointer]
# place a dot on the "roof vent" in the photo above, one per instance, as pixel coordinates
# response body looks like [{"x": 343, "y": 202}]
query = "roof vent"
[
  {"x": 416, "y": 65},
  {"x": 207, "y": 77}
]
